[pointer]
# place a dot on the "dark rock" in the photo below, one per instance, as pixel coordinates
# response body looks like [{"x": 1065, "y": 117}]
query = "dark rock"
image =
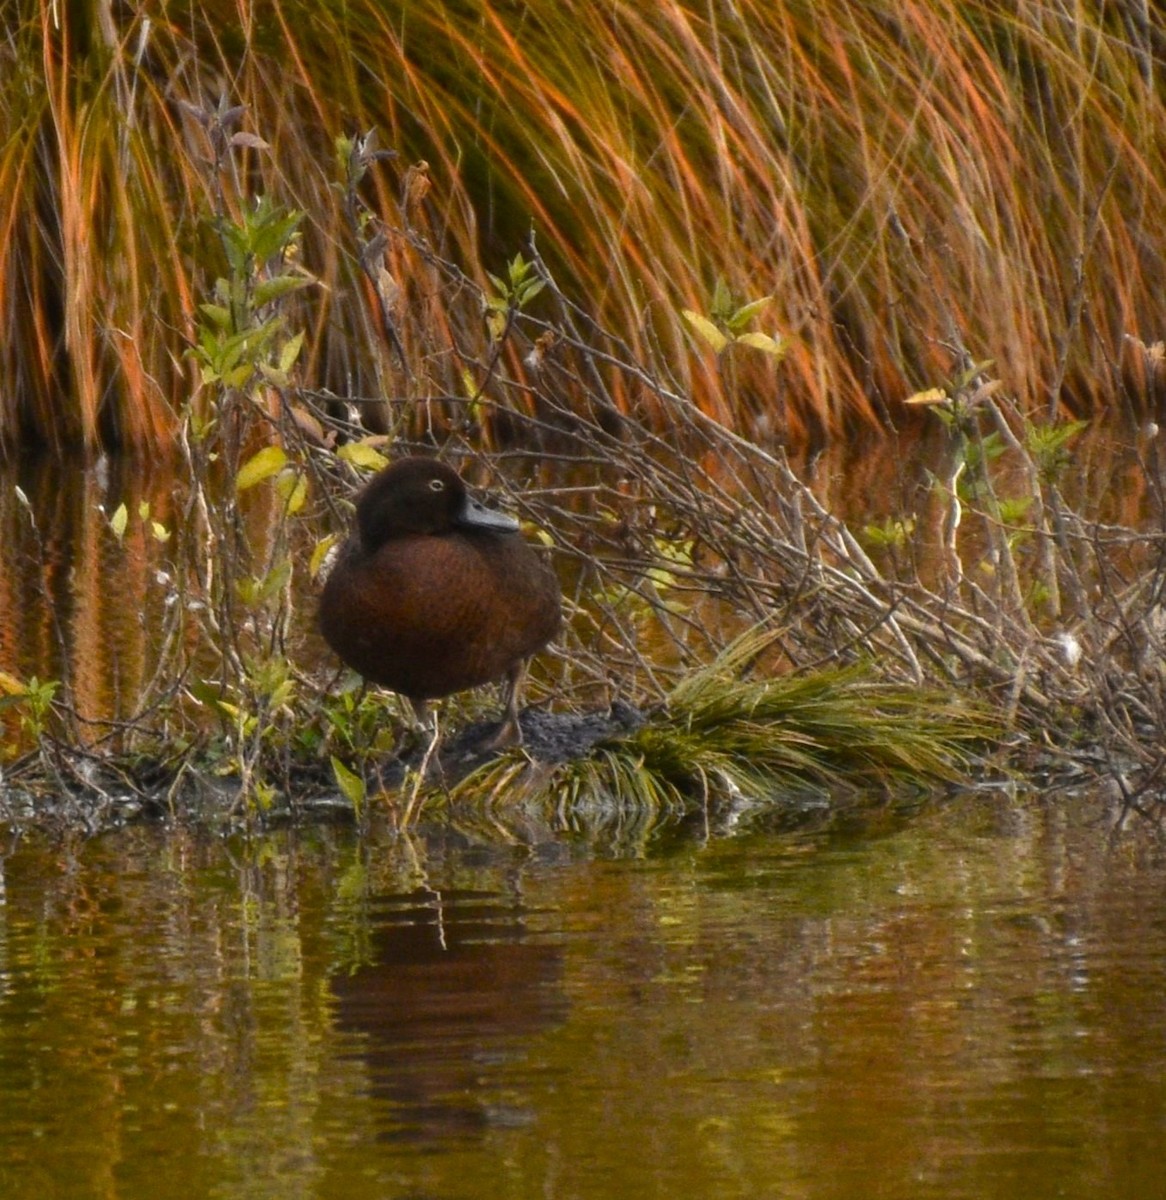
[{"x": 548, "y": 738}]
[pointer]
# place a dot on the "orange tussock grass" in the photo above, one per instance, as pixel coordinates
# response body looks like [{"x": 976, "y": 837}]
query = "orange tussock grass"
[{"x": 911, "y": 183}]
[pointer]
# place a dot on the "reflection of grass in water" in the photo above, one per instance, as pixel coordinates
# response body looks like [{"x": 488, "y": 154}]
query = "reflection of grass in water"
[{"x": 725, "y": 735}]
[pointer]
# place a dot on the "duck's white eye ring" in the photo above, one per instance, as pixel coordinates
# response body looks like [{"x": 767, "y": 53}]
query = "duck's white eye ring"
[{"x": 437, "y": 485}]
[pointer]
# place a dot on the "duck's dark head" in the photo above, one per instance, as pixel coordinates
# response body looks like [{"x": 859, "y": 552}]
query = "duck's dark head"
[{"x": 420, "y": 496}]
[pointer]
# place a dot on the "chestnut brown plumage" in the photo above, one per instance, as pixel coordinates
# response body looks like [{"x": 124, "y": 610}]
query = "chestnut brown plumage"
[{"x": 434, "y": 593}]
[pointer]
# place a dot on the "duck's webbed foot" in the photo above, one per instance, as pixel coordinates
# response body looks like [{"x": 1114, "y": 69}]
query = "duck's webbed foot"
[{"x": 509, "y": 733}]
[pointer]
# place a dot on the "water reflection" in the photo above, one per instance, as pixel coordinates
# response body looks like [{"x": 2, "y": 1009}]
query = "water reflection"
[
  {"x": 959, "y": 1005},
  {"x": 454, "y": 984},
  {"x": 75, "y": 604}
]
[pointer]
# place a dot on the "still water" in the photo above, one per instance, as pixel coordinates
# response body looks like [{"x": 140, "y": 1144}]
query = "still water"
[{"x": 966, "y": 998}]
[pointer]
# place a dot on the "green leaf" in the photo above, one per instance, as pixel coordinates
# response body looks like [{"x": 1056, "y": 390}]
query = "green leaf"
[
  {"x": 965, "y": 377},
  {"x": 1044, "y": 441},
  {"x": 746, "y": 313},
  {"x": 350, "y": 784},
  {"x": 210, "y": 694},
  {"x": 217, "y": 314},
  {"x": 1014, "y": 509},
  {"x": 517, "y": 267},
  {"x": 892, "y": 532},
  {"x": 282, "y": 693},
  {"x": 291, "y": 351},
  {"x": 239, "y": 377},
  {"x": 268, "y": 229},
  {"x": 527, "y": 290},
  {"x": 274, "y": 376},
  {"x": 723, "y": 305},
  {"x": 267, "y": 462},
  {"x": 255, "y": 591},
  {"x": 281, "y": 285}
]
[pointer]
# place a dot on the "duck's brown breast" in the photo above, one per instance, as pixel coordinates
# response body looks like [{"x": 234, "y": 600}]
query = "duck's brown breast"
[{"x": 431, "y": 615}]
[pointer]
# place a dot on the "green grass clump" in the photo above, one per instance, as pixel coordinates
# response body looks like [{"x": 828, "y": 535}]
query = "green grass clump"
[{"x": 729, "y": 734}]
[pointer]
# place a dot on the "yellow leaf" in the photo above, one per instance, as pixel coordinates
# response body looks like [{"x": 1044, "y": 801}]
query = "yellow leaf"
[
  {"x": 775, "y": 347},
  {"x": 361, "y": 454},
  {"x": 10, "y": 685},
  {"x": 934, "y": 395},
  {"x": 495, "y": 323},
  {"x": 269, "y": 461},
  {"x": 323, "y": 547},
  {"x": 118, "y": 521},
  {"x": 707, "y": 330},
  {"x": 293, "y": 489}
]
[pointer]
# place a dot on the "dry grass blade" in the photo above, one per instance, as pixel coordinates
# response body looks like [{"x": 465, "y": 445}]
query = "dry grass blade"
[{"x": 902, "y": 182}]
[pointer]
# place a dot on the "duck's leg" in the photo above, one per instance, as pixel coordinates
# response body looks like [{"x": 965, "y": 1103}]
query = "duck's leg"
[
  {"x": 428, "y": 729},
  {"x": 509, "y": 733},
  {"x": 418, "y": 727},
  {"x": 422, "y": 711}
]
